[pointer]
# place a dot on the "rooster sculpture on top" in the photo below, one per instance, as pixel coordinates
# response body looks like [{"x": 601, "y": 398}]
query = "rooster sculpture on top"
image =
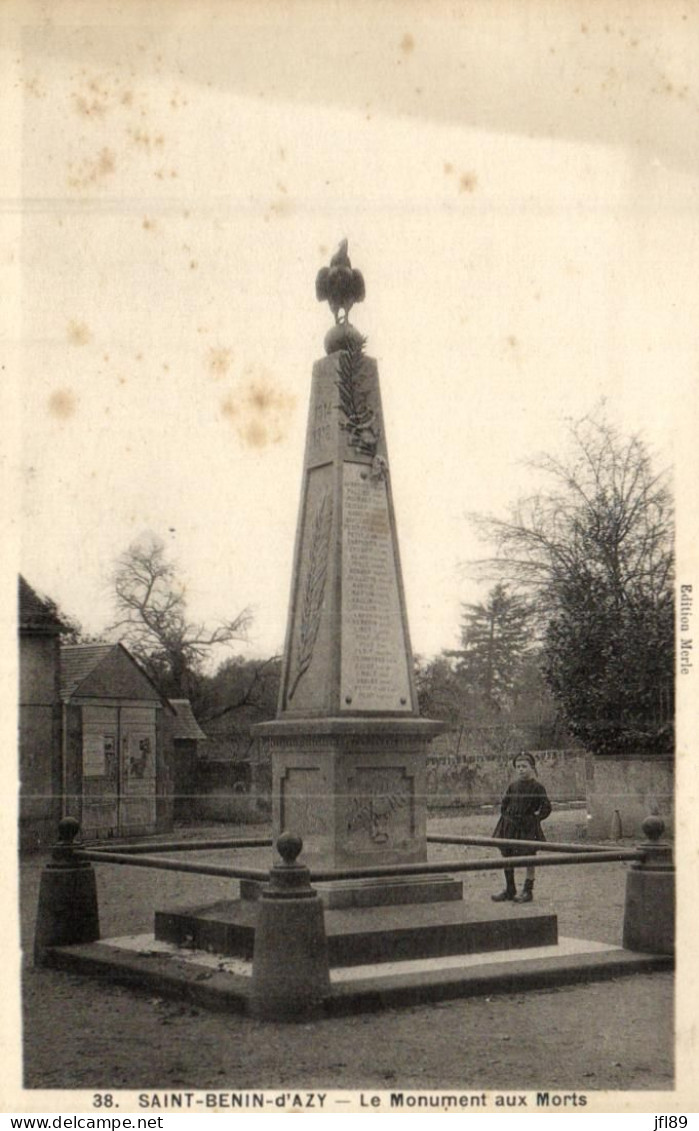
[{"x": 340, "y": 284}]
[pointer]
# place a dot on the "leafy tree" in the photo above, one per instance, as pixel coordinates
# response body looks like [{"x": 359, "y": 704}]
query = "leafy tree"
[
  {"x": 528, "y": 718},
  {"x": 534, "y": 709},
  {"x": 72, "y": 630},
  {"x": 495, "y": 637},
  {"x": 441, "y": 693},
  {"x": 151, "y": 619},
  {"x": 610, "y": 666},
  {"x": 595, "y": 550}
]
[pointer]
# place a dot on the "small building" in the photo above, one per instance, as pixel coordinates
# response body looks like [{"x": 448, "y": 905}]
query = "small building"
[
  {"x": 186, "y": 735},
  {"x": 116, "y": 752},
  {"x": 40, "y": 769}
]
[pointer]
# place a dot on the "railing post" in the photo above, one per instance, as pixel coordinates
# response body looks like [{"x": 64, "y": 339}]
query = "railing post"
[
  {"x": 649, "y": 912},
  {"x": 290, "y": 973},
  {"x": 67, "y": 909}
]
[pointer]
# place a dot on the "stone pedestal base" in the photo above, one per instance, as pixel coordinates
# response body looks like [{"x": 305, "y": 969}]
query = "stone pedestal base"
[
  {"x": 360, "y": 936},
  {"x": 377, "y": 892},
  {"x": 352, "y": 788}
]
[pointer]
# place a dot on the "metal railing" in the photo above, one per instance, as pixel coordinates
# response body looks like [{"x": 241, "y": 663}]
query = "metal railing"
[
  {"x": 135, "y": 860},
  {"x": 185, "y": 845},
  {"x": 289, "y": 899},
  {"x": 560, "y": 853},
  {"x": 496, "y": 842}
]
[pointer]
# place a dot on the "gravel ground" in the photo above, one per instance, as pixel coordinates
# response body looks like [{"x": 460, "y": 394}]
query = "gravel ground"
[{"x": 609, "y": 1035}]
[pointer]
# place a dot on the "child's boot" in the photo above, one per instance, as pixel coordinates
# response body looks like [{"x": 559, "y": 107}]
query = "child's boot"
[
  {"x": 527, "y": 893},
  {"x": 510, "y": 891}
]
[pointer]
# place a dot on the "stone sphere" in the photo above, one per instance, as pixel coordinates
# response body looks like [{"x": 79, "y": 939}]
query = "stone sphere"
[
  {"x": 339, "y": 336},
  {"x": 653, "y": 827},
  {"x": 289, "y": 847},
  {"x": 68, "y": 829}
]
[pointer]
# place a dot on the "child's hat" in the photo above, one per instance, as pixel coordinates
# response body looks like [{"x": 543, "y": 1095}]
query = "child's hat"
[{"x": 527, "y": 756}]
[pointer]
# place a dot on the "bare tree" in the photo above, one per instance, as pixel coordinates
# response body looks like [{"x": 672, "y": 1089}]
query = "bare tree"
[
  {"x": 247, "y": 688},
  {"x": 151, "y": 618},
  {"x": 604, "y": 512},
  {"x": 594, "y": 549}
]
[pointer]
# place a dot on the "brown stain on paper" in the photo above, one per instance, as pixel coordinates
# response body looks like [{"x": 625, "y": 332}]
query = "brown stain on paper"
[
  {"x": 107, "y": 97},
  {"x": 79, "y": 333},
  {"x": 62, "y": 404},
  {"x": 260, "y": 412},
  {"x": 278, "y": 208},
  {"x": 99, "y": 95},
  {"x": 143, "y": 140},
  {"x": 90, "y": 171},
  {"x": 34, "y": 87},
  {"x": 467, "y": 182},
  {"x": 93, "y": 101},
  {"x": 513, "y": 349},
  {"x": 219, "y": 361}
]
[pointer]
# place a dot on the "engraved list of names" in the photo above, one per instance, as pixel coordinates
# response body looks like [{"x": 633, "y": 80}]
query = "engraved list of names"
[{"x": 374, "y": 673}]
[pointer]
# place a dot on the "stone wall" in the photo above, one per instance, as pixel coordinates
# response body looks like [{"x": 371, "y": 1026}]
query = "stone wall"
[
  {"x": 225, "y": 791},
  {"x": 633, "y": 786},
  {"x": 461, "y": 775},
  {"x": 458, "y": 776}
]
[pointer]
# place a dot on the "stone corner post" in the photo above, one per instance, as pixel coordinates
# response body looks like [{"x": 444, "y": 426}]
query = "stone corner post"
[
  {"x": 290, "y": 973},
  {"x": 649, "y": 911},
  {"x": 67, "y": 910}
]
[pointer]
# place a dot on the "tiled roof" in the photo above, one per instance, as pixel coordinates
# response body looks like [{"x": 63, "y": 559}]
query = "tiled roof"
[
  {"x": 77, "y": 661},
  {"x": 185, "y": 725},
  {"x": 36, "y": 613}
]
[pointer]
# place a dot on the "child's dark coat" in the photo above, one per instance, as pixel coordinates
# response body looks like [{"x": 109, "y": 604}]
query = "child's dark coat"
[{"x": 523, "y": 808}]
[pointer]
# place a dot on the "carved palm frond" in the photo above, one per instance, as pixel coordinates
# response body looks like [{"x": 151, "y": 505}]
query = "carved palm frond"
[
  {"x": 314, "y": 587},
  {"x": 360, "y": 419}
]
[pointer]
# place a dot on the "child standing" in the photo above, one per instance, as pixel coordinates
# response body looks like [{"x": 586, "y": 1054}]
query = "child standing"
[{"x": 523, "y": 808}]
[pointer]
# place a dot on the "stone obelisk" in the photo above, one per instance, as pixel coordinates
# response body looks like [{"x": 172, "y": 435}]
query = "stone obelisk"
[{"x": 348, "y": 747}]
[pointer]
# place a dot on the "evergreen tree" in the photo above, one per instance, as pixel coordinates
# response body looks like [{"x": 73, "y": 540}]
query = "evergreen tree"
[{"x": 495, "y": 638}]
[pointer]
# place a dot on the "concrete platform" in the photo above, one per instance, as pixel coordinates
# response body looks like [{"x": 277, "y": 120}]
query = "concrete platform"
[
  {"x": 358, "y": 936},
  {"x": 220, "y": 983}
]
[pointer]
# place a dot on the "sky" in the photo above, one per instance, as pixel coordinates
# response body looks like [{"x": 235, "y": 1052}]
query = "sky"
[{"x": 518, "y": 183}]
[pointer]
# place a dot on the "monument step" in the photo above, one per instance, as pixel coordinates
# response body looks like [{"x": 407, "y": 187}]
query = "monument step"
[
  {"x": 181, "y": 978},
  {"x": 358, "y": 936},
  {"x": 377, "y": 892}
]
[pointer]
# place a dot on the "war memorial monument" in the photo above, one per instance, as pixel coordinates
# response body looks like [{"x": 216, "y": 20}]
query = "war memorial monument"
[{"x": 350, "y": 898}]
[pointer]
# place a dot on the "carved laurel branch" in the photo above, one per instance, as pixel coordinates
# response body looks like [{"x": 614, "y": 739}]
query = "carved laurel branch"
[
  {"x": 374, "y": 812},
  {"x": 314, "y": 588},
  {"x": 360, "y": 419}
]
